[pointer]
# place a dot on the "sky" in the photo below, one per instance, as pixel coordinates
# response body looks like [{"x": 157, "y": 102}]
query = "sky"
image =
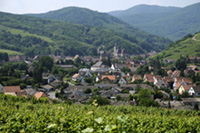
[{"x": 42, "y": 6}]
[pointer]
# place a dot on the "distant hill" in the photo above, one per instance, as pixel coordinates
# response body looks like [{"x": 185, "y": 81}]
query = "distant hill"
[
  {"x": 170, "y": 22},
  {"x": 143, "y": 9},
  {"x": 95, "y": 19},
  {"x": 31, "y": 36},
  {"x": 187, "y": 46}
]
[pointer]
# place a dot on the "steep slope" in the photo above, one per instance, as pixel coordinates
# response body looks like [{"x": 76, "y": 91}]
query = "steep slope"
[
  {"x": 187, "y": 46},
  {"x": 31, "y": 36},
  {"x": 170, "y": 22},
  {"x": 103, "y": 20}
]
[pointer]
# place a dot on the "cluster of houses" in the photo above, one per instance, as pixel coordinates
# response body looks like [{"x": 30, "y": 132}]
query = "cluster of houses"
[
  {"x": 110, "y": 81},
  {"x": 17, "y": 91}
]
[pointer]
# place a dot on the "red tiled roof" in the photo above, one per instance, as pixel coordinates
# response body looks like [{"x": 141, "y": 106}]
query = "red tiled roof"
[
  {"x": 110, "y": 77},
  {"x": 137, "y": 77},
  {"x": 75, "y": 75},
  {"x": 186, "y": 87},
  {"x": 187, "y": 80},
  {"x": 149, "y": 77},
  {"x": 176, "y": 73},
  {"x": 38, "y": 95},
  {"x": 12, "y": 89}
]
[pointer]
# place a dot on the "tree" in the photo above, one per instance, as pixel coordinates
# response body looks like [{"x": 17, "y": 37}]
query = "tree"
[
  {"x": 88, "y": 91},
  {"x": 23, "y": 85},
  {"x": 125, "y": 70},
  {"x": 88, "y": 80},
  {"x": 118, "y": 98},
  {"x": 181, "y": 63},
  {"x": 46, "y": 62}
]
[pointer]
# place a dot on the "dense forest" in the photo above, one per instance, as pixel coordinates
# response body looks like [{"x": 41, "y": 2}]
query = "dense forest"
[{"x": 171, "y": 22}]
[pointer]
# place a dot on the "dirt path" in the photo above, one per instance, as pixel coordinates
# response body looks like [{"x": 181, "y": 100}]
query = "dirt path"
[{"x": 194, "y": 38}]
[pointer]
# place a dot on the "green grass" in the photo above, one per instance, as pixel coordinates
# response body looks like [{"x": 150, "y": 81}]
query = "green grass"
[
  {"x": 10, "y": 52},
  {"x": 198, "y": 37},
  {"x": 25, "y": 33}
]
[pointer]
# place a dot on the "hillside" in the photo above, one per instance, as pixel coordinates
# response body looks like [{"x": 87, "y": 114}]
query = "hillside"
[
  {"x": 188, "y": 46},
  {"x": 31, "y": 36},
  {"x": 170, "y": 22},
  {"x": 95, "y": 19},
  {"x": 143, "y": 9},
  {"x": 20, "y": 115}
]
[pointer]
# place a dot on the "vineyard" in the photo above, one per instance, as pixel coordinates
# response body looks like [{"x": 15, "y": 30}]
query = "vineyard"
[{"x": 21, "y": 115}]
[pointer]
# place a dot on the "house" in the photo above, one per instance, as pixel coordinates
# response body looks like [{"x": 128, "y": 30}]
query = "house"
[
  {"x": 48, "y": 77},
  {"x": 189, "y": 72},
  {"x": 112, "y": 78},
  {"x": 76, "y": 77},
  {"x": 66, "y": 66},
  {"x": 194, "y": 91},
  {"x": 156, "y": 78},
  {"x": 136, "y": 77},
  {"x": 193, "y": 67},
  {"x": 107, "y": 80},
  {"x": 187, "y": 81},
  {"x": 47, "y": 87},
  {"x": 24, "y": 77},
  {"x": 123, "y": 81},
  {"x": 169, "y": 60},
  {"x": 30, "y": 91},
  {"x": 168, "y": 81},
  {"x": 85, "y": 72},
  {"x": 184, "y": 88},
  {"x": 161, "y": 84},
  {"x": 169, "y": 72},
  {"x": 39, "y": 95},
  {"x": 177, "y": 86},
  {"x": 1, "y": 88},
  {"x": 22, "y": 94},
  {"x": 176, "y": 73},
  {"x": 148, "y": 78},
  {"x": 12, "y": 90},
  {"x": 99, "y": 66},
  {"x": 158, "y": 81},
  {"x": 194, "y": 59}
]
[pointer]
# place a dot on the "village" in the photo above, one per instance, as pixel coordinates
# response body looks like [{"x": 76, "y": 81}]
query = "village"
[{"x": 116, "y": 77}]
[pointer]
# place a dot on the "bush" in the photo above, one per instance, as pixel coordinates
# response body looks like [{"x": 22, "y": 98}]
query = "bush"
[{"x": 88, "y": 91}]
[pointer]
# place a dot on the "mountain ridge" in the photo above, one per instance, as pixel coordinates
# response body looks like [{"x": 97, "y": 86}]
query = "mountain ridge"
[
  {"x": 31, "y": 36},
  {"x": 103, "y": 20},
  {"x": 174, "y": 25}
]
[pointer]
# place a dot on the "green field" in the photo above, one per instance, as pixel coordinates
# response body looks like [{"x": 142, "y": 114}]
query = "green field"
[
  {"x": 186, "y": 47},
  {"x": 19, "y": 115},
  {"x": 10, "y": 52},
  {"x": 198, "y": 37},
  {"x": 25, "y": 33}
]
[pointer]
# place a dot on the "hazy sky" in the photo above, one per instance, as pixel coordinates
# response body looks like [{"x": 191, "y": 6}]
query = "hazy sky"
[{"x": 41, "y": 6}]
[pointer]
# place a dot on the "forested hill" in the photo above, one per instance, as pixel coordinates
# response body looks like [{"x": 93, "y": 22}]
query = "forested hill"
[
  {"x": 170, "y": 22},
  {"x": 140, "y": 9},
  {"x": 187, "y": 46},
  {"x": 33, "y": 36},
  {"x": 96, "y": 19}
]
